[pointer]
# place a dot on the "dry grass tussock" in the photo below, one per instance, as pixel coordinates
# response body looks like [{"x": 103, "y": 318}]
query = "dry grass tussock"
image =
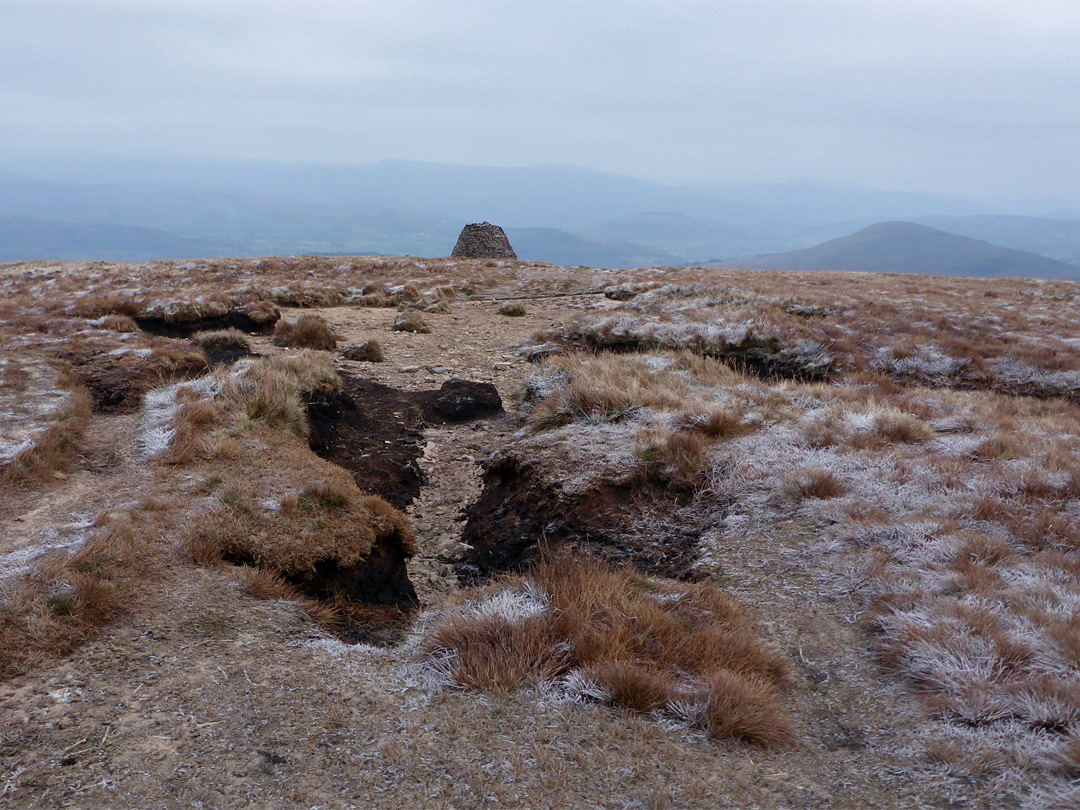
[
  {"x": 306, "y": 332},
  {"x": 70, "y": 597},
  {"x": 273, "y": 391},
  {"x": 221, "y": 339},
  {"x": 50, "y": 452},
  {"x": 301, "y": 523},
  {"x": 319, "y": 516},
  {"x": 675, "y": 407},
  {"x": 684, "y": 651},
  {"x": 209, "y": 415},
  {"x": 294, "y": 542},
  {"x": 611, "y": 387}
]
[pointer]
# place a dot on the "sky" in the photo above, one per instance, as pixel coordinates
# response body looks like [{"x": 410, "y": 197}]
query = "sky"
[{"x": 975, "y": 99}]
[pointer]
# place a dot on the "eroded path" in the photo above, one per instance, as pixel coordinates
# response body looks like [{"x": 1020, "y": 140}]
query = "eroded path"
[{"x": 107, "y": 475}]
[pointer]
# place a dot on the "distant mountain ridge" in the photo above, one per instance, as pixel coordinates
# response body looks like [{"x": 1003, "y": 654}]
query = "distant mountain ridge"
[
  {"x": 25, "y": 238},
  {"x": 906, "y": 247},
  {"x": 562, "y": 214}
]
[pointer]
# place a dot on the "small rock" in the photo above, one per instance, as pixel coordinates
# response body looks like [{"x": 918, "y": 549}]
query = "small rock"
[
  {"x": 369, "y": 351},
  {"x": 409, "y": 369},
  {"x": 620, "y": 292}
]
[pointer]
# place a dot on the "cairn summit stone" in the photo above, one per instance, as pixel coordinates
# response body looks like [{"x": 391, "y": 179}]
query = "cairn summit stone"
[{"x": 482, "y": 240}]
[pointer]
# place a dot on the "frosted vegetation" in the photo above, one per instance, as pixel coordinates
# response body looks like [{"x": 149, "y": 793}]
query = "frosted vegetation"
[
  {"x": 914, "y": 441},
  {"x": 951, "y": 514}
]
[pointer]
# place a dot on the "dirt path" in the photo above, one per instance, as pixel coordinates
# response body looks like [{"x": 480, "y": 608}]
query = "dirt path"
[
  {"x": 472, "y": 342},
  {"x": 59, "y": 514}
]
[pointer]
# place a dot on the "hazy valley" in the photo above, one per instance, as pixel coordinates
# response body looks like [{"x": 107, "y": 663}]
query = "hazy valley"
[{"x": 86, "y": 206}]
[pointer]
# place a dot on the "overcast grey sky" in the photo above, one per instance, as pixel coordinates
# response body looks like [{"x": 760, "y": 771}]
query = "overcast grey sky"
[{"x": 979, "y": 99}]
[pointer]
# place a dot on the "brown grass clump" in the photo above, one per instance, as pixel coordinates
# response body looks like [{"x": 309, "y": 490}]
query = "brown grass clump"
[
  {"x": 190, "y": 427},
  {"x": 717, "y": 422},
  {"x": 674, "y": 458},
  {"x": 171, "y": 361},
  {"x": 273, "y": 391},
  {"x": 497, "y": 655},
  {"x": 119, "y": 323},
  {"x": 223, "y": 339},
  {"x": 902, "y": 428},
  {"x": 307, "y": 332},
  {"x": 1000, "y": 446},
  {"x": 605, "y": 387},
  {"x": 891, "y": 427},
  {"x": 52, "y": 450},
  {"x": 636, "y": 643},
  {"x": 811, "y": 482},
  {"x": 332, "y": 524},
  {"x": 410, "y": 321},
  {"x": 68, "y": 599},
  {"x": 263, "y": 584},
  {"x": 744, "y": 708}
]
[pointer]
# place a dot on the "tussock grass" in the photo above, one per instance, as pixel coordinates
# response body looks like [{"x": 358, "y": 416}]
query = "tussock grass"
[
  {"x": 332, "y": 523},
  {"x": 223, "y": 339},
  {"x": 812, "y": 483},
  {"x": 70, "y": 598},
  {"x": 273, "y": 391},
  {"x": 119, "y": 323},
  {"x": 306, "y": 332},
  {"x": 265, "y": 584},
  {"x": 618, "y": 637},
  {"x": 51, "y": 451},
  {"x": 611, "y": 387},
  {"x": 674, "y": 458}
]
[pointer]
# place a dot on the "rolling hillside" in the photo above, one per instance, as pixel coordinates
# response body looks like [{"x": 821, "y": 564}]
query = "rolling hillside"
[{"x": 904, "y": 247}]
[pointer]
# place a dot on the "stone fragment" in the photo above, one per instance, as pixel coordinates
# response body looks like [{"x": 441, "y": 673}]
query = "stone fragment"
[{"x": 368, "y": 351}]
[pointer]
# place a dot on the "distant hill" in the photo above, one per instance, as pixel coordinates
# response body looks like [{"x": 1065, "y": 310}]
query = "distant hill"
[
  {"x": 905, "y": 247},
  {"x": 558, "y": 247},
  {"x": 23, "y": 238},
  {"x": 573, "y": 215},
  {"x": 1055, "y": 237}
]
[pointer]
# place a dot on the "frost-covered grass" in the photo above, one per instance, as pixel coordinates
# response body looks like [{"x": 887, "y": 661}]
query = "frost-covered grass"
[
  {"x": 1011, "y": 336},
  {"x": 157, "y": 422},
  {"x": 952, "y": 517},
  {"x": 31, "y": 394}
]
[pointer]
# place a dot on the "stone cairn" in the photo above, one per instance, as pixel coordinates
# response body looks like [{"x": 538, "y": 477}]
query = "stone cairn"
[{"x": 482, "y": 240}]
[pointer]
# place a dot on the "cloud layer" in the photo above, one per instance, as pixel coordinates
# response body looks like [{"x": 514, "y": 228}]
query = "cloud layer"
[{"x": 966, "y": 98}]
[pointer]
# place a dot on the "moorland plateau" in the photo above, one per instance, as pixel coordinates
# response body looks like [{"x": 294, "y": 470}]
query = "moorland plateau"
[{"x": 395, "y": 532}]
